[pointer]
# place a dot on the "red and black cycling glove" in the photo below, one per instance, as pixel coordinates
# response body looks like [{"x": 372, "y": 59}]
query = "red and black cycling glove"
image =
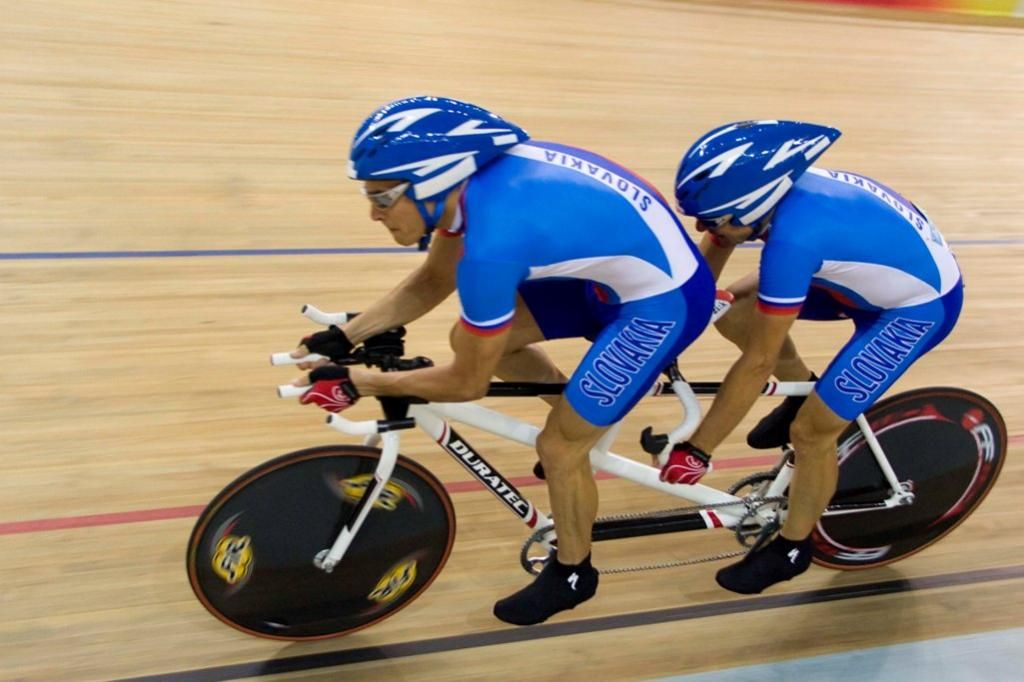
[
  {"x": 332, "y": 389},
  {"x": 686, "y": 464}
]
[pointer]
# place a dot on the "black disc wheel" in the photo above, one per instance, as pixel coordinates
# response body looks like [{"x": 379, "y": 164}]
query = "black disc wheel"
[
  {"x": 946, "y": 445},
  {"x": 250, "y": 555}
]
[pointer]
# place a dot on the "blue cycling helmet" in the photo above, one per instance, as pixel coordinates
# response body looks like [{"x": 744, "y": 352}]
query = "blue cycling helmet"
[
  {"x": 433, "y": 142},
  {"x": 744, "y": 169}
]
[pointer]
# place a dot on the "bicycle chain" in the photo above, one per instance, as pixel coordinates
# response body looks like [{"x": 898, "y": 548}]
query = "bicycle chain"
[
  {"x": 752, "y": 506},
  {"x": 672, "y": 564}
]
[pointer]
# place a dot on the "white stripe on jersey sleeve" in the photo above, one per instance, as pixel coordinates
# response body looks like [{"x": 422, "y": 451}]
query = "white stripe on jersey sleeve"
[
  {"x": 781, "y": 301},
  {"x": 489, "y": 323}
]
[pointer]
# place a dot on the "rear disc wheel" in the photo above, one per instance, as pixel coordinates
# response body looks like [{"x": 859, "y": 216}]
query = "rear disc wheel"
[{"x": 946, "y": 444}]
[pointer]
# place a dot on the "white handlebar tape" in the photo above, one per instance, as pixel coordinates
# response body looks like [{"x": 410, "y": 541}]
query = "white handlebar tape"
[
  {"x": 291, "y": 390},
  {"x": 287, "y": 359},
  {"x": 320, "y": 317}
]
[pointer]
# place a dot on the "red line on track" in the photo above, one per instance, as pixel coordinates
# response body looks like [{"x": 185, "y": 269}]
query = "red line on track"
[
  {"x": 114, "y": 518},
  {"x": 142, "y": 515}
]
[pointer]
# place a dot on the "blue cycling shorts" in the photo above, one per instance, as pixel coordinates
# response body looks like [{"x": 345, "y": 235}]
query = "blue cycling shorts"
[
  {"x": 885, "y": 344},
  {"x": 632, "y": 342}
]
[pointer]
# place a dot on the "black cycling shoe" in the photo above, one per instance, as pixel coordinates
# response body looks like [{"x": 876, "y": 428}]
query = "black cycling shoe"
[
  {"x": 779, "y": 560},
  {"x": 559, "y": 587},
  {"x": 773, "y": 430}
]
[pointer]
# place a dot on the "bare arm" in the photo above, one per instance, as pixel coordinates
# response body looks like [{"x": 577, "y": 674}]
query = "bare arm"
[
  {"x": 419, "y": 293},
  {"x": 745, "y": 379},
  {"x": 716, "y": 253},
  {"x": 467, "y": 377}
]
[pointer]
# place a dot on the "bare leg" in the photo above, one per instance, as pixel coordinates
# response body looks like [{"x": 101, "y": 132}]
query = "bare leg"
[
  {"x": 773, "y": 429},
  {"x": 522, "y": 360},
  {"x": 564, "y": 447},
  {"x": 814, "y": 436},
  {"x": 814, "y": 433},
  {"x": 735, "y": 326}
]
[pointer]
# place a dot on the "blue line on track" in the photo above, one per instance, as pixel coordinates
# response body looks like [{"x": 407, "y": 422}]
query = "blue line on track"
[
  {"x": 200, "y": 253},
  {"x": 343, "y": 251}
]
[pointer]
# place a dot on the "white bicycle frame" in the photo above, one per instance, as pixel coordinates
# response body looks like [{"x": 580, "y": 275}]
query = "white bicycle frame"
[{"x": 434, "y": 420}]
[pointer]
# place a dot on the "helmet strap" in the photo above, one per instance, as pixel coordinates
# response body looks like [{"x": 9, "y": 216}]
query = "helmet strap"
[
  {"x": 430, "y": 220},
  {"x": 761, "y": 227}
]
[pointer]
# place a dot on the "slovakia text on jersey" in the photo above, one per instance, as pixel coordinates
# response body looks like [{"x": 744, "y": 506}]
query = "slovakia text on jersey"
[
  {"x": 858, "y": 240},
  {"x": 550, "y": 211}
]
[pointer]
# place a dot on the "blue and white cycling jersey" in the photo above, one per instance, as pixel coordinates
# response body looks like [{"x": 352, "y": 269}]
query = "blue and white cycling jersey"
[
  {"x": 594, "y": 251},
  {"x": 550, "y": 211},
  {"x": 862, "y": 242},
  {"x": 845, "y": 246}
]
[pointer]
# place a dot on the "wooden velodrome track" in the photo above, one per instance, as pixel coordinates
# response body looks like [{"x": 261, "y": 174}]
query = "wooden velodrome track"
[{"x": 136, "y": 386}]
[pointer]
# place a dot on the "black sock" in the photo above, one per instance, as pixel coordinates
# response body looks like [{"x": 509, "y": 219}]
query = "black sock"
[
  {"x": 784, "y": 545},
  {"x": 558, "y": 587}
]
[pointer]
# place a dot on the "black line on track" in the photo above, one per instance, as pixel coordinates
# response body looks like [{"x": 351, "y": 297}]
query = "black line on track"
[{"x": 436, "y": 645}]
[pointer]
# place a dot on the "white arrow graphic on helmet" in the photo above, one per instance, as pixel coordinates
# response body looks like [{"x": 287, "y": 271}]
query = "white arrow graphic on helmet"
[
  {"x": 776, "y": 188},
  {"x": 425, "y": 167},
  {"x": 462, "y": 165},
  {"x": 398, "y": 122},
  {"x": 472, "y": 127},
  {"x": 722, "y": 162},
  {"x": 810, "y": 148}
]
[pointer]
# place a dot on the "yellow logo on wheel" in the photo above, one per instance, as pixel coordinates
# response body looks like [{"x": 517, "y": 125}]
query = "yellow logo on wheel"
[
  {"x": 394, "y": 583},
  {"x": 233, "y": 558},
  {"x": 353, "y": 489}
]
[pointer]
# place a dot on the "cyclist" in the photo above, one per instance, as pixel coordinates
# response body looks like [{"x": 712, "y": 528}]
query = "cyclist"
[
  {"x": 542, "y": 241},
  {"x": 837, "y": 246}
]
